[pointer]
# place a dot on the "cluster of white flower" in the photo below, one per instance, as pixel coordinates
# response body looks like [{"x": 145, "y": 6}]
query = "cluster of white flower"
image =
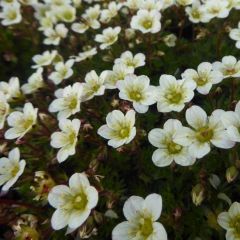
[
  {"x": 174, "y": 142},
  {"x": 205, "y": 11}
]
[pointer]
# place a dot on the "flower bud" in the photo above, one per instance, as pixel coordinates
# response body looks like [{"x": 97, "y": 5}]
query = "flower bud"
[
  {"x": 129, "y": 33},
  {"x": 198, "y": 194},
  {"x": 231, "y": 174}
]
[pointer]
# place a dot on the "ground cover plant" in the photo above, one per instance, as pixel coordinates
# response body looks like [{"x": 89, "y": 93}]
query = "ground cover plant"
[{"x": 120, "y": 119}]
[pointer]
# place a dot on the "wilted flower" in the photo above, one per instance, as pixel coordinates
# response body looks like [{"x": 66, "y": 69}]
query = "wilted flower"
[{"x": 43, "y": 183}]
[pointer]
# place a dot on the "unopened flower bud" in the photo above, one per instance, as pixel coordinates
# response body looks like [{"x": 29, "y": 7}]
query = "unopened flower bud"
[
  {"x": 198, "y": 194},
  {"x": 129, "y": 33},
  {"x": 231, "y": 174}
]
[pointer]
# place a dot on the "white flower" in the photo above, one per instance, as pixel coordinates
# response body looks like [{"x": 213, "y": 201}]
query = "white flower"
[
  {"x": 229, "y": 67},
  {"x": 137, "y": 90},
  {"x": 204, "y": 77},
  {"x": 168, "y": 3},
  {"x": 11, "y": 168},
  {"x": 90, "y": 20},
  {"x": 4, "y": 109},
  {"x": 66, "y": 140},
  {"x": 110, "y": 12},
  {"x": 68, "y": 101},
  {"x": 230, "y": 221},
  {"x": 11, "y": 14},
  {"x": 11, "y": 89},
  {"x": 231, "y": 121},
  {"x": 217, "y": 8},
  {"x": 147, "y": 21},
  {"x": 184, "y": 2},
  {"x": 21, "y": 122},
  {"x": 205, "y": 131},
  {"x": 142, "y": 215},
  {"x": 94, "y": 85},
  {"x": 62, "y": 71},
  {"x": 85, "y": 55},
  {"x": 119, "y": 128},
  {"x": 235, "y": 35},
  {"x": 173, "y": 94},
  {"x": 197, "y": 13},
  {"x": 119, "y": 72},
  {"x": 35, "y": 82},
  {"x": 129, "y": 60},
  {"x": 108, "y": 37},
  {"x": 169, "y": 151},
  {"x": 54, "y": 36},
  {"x": 44, "y": 59},
  {"x": 74, "y": 203},
  {"x": 134, "y": 4},
  {"x": 152, "y": 5},
  {"x": 66, "y": 13}
]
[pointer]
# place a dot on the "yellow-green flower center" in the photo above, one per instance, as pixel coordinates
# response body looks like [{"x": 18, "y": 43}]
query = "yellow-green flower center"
[
  {"x": 72, "y": 137},
  {"x": 111, "y": 39},
  {"x": 147, "y": 24},
  {"x": 72, "y": 102},
  {"x": 196, "y": 14},
  {"x": 201, "y": 80},
  {"x": 146, "y": 227},
  {"x": 12, "y": 15},
  {"x": 174, "y": 96},
  {"x": 124, "y": 132},
  {"x": 204, "y": 134},
  {"x": 15, "y": 170},
  {"x": 27, "y": 123},
  {"x": 135, "y": 95},
  {"x": 235, "y": 224},
  {"x": 174, "y": 148},
  {"x": 228, "y": 72},
  {"x": 68, "y": 16},
  {"x": 79, "y": 201}
]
